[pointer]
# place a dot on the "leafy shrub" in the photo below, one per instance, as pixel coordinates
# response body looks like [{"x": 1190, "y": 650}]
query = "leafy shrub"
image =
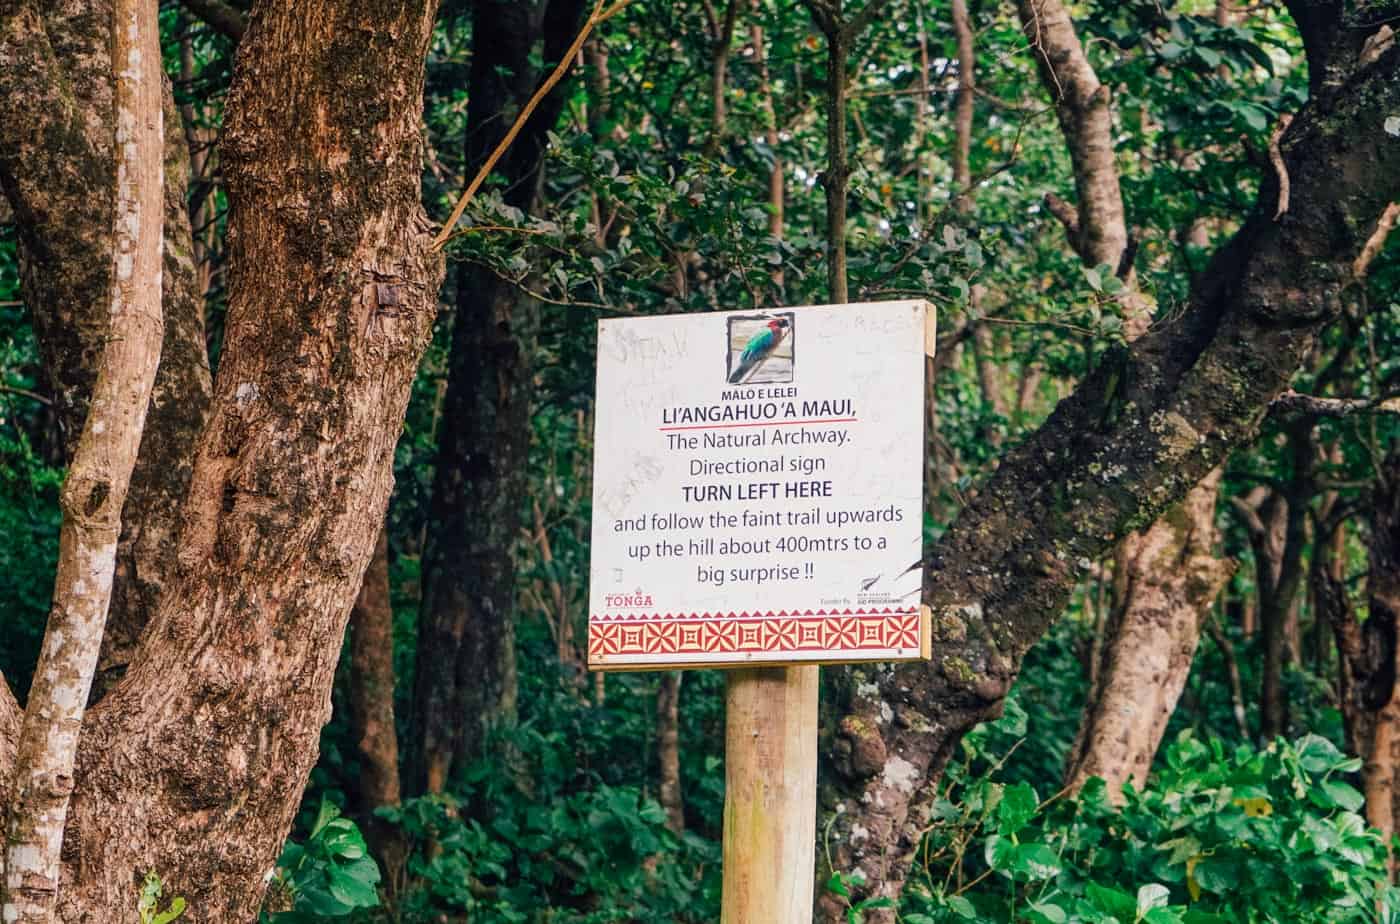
[
  {"x": 593, "y": 853},
  {"x": 329, "y": 875},
  {"x": 1221, "y": 835}
]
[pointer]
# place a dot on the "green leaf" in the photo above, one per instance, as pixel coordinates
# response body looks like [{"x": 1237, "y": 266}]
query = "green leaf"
[
  {"x": 1218, "y": 876},
  {"x": 177, "y": 908},
  {"x": 1344, "y": 795},
  {"x": 1037, "y": 861},
  {"x": 837, "y": 885},
  {"x": 1052, "y": 913},
  {"x": 1000, "y": 853},
  {"x": 1152, "y": 895},
  {"x": 1018, "y": 805},
  {"x": 962, "y": 907},
  {"x": 1119, "y": 904},
  {"x": 1209, "y": 57},
  {"x": 1317, "y": 755},
  {"x": 352, "y": 891}
]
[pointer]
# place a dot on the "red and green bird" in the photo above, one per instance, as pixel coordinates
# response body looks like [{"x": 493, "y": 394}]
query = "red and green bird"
[{"x": 760, "y": 346}]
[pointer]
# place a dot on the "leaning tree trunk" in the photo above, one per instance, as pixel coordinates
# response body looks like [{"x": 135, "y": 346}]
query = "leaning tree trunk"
[
  {"x": 193, "y": 766},
  {"x": 56, "y": 83},
  {"x": 1174, "y": 576},
  {"x": 1152, "y": 639},
  {"x": 1164, "y": 411},
  {"x": 465, "y": 676},
  {"x": 96, "y": 483}
]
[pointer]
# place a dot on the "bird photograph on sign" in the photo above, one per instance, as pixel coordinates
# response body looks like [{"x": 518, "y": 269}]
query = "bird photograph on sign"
[{"x": 762, "y": 349}]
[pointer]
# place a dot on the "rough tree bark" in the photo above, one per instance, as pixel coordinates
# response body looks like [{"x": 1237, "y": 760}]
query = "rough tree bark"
[
  {"x": 1099, "y": 234},
  {"x": 1173, "y": 576},
  {"x": 1143, "y": 429},
  {"x": 57, "y": 165},
  {"x": 96, "y": 484},
  {"x": 194, "y": 764},
  {"x": 1156, "y": 626},
  {"x": 465, "y": 678}
]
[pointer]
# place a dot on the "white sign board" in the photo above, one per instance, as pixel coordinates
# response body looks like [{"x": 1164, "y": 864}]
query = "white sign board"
[{"x": 758, "y": 487}]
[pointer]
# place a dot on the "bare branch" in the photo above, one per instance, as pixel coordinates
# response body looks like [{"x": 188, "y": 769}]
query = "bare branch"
[
  {"x": 599, "y": 15},
  {"x": 26, "y": 393},
  {"x": 1294, "y": 403},
  {"x": 1067, "y": 215},
  {"x": 1362, "y": 265},
  {"x": 1280, "y": 168}
]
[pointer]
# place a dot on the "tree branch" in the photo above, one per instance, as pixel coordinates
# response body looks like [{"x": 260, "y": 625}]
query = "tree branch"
[
  {"x": 1280, "y": 168},
  {"x": 1374, "y": 244},
  {"x": 1067, "y": 215},
  {"x": 1294, "y": 403},
  {"x": 601, "y": 13}
]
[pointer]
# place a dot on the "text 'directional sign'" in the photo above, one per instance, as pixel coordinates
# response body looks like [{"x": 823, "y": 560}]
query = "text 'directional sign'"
[{"x": 757, "y": 490}]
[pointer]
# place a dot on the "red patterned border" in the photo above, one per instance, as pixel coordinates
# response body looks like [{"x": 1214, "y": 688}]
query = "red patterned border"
[
  {"x": 839, "y": 635},
  {"x": 770, "y": 614}
]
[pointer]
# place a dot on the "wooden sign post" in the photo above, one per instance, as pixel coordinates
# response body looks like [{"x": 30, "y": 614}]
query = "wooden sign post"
[{"x": 757, "y": 504}]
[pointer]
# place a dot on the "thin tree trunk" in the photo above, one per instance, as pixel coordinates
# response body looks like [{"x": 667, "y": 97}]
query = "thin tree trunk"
[
  {"x": 776, "y": 180},
  {"x": 1086, "y": 120},
  {"x": 96, "y": 484},
  {"x": 466, "y": 676},
  {"x": 668, "y": 698},
  {"x": 372, "y": 685},
  {"x": 1381, "y": 773},
  {"x": 837, "y": 176},
  {"x": 62, "y": 197},
  {"x": 719, "y": 78}
]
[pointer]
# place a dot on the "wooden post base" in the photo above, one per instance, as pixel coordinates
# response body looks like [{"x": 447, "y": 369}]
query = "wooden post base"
[{"x": 770, "y": 796}]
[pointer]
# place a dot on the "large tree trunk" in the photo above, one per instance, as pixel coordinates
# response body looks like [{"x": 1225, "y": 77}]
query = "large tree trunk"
[
  {"x": 56, "y": 83},
  {"x": 1164, "y": 412},
  {"x": 96, "y": 484},
  {"x": 193, "y": 766},
  {"x": 465, "y": 677},
  {"x": 1173, "y": 577}
]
